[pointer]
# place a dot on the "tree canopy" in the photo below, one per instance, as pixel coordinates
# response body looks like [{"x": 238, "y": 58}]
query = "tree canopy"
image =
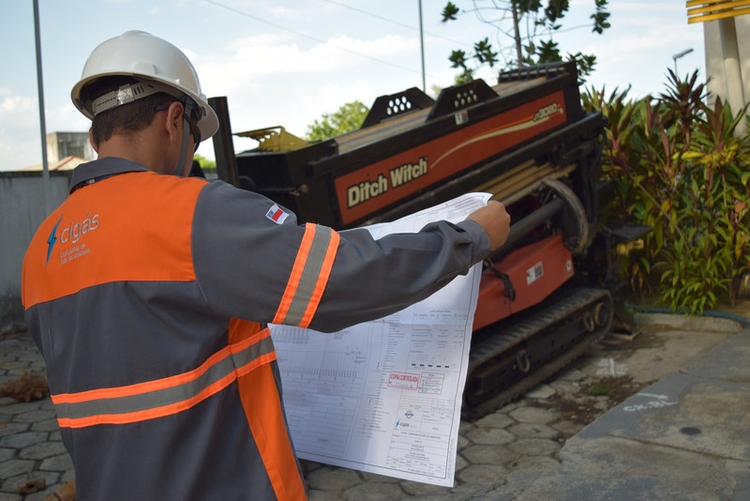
[
  {"x": 349, "y": 117},
  {"x": 530, "y": 24}
]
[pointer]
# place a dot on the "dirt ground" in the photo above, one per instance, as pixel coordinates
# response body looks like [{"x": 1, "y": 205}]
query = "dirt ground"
[{"x": 621, "y": 366}]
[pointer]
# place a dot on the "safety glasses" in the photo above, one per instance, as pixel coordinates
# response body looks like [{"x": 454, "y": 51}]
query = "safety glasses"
[{"x": 194, "y": 130}]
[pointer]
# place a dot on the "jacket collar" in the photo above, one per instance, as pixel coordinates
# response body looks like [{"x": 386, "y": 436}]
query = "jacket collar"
[{"x": 96, "y": 170}]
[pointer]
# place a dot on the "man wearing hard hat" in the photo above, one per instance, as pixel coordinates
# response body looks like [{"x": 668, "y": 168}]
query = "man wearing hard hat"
[{"x": 149, "y": 294}]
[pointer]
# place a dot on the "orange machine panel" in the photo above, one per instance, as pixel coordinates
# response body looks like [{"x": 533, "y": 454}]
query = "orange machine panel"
[
  {"x": 532, "y": 272},
  {"x": 373, "y": 187}
]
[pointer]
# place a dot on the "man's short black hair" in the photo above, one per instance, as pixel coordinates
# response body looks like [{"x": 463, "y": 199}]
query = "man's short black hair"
[{"x": 131, "y": 117}]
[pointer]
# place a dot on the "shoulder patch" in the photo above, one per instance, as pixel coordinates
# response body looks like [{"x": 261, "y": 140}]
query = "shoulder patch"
[{"x": 276, "y": 214}]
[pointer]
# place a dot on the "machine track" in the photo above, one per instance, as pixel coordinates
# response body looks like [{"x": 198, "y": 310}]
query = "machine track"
[{"x": 511, "y": 357}]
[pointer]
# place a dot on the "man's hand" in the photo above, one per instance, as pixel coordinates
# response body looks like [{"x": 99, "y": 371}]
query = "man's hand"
[{"x": 495, "y": 220}]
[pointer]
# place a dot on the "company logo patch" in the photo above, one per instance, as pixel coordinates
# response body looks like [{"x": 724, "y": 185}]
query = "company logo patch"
[
  {"x": 276, "y": 214},
  {"x": 52, "y": 239}
]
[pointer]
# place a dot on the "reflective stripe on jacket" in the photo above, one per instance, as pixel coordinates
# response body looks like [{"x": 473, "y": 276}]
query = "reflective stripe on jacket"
[
  {"x": 134, "y": 289},
  {"x": 128, "y": 238}
]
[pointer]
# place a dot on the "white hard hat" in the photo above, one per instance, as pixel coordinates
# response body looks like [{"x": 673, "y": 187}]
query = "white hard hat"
[{"x": 148, "y": 59}]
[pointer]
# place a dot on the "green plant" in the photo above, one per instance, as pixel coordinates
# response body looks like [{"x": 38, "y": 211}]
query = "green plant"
[
  {"x": 719, "y": 194},
  {"x": 529, "y": 26},
  {"x": 682, "y": 170},
  {"x": 600, "y": 389},
  {"x": 347, "y": 118}
]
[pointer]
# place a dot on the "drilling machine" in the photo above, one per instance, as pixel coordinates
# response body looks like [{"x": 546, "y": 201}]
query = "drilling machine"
[{"x": 547, "y": 294}]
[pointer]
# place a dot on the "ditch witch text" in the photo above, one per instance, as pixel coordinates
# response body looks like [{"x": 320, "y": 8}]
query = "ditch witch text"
[{"x": 398, "y": 176}]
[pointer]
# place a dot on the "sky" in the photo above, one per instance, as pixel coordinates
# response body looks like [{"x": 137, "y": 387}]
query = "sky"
[{"x": 287, "y": 63}]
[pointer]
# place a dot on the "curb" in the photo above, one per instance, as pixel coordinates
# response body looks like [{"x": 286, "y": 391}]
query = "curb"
[{"x": 685, "y": 322}]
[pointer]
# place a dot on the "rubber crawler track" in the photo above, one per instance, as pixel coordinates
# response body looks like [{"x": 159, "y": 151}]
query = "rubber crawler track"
[{"x": 562, "y": 328}]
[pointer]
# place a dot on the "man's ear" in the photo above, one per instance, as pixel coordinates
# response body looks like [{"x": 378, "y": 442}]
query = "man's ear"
[{"x": 173, "y": 121}]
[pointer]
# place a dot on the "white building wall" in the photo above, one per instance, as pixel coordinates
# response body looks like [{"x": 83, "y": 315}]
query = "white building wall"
[
  {"x": 21, "y": 212},
  {"x": 717, "y": 84}
]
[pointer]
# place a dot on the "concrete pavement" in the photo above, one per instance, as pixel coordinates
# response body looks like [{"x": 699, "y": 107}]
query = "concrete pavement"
[
  {"x": 682, "y": 434},
  {"x": 686, "y": 437}
]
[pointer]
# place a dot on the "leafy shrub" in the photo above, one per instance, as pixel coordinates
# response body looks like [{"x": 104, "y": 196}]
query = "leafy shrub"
[{"x": 682, "y": 170}]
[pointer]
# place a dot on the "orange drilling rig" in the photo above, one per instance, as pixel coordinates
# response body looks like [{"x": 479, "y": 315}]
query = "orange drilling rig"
[{"x": 545, "y": 296}]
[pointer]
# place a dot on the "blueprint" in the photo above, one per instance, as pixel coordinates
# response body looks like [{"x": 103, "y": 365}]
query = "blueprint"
[{"x": 385, "y": 396}]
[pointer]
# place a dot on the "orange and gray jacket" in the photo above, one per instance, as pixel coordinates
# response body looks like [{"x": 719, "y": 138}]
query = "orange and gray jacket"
[{"x": 149, "y": 297}]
